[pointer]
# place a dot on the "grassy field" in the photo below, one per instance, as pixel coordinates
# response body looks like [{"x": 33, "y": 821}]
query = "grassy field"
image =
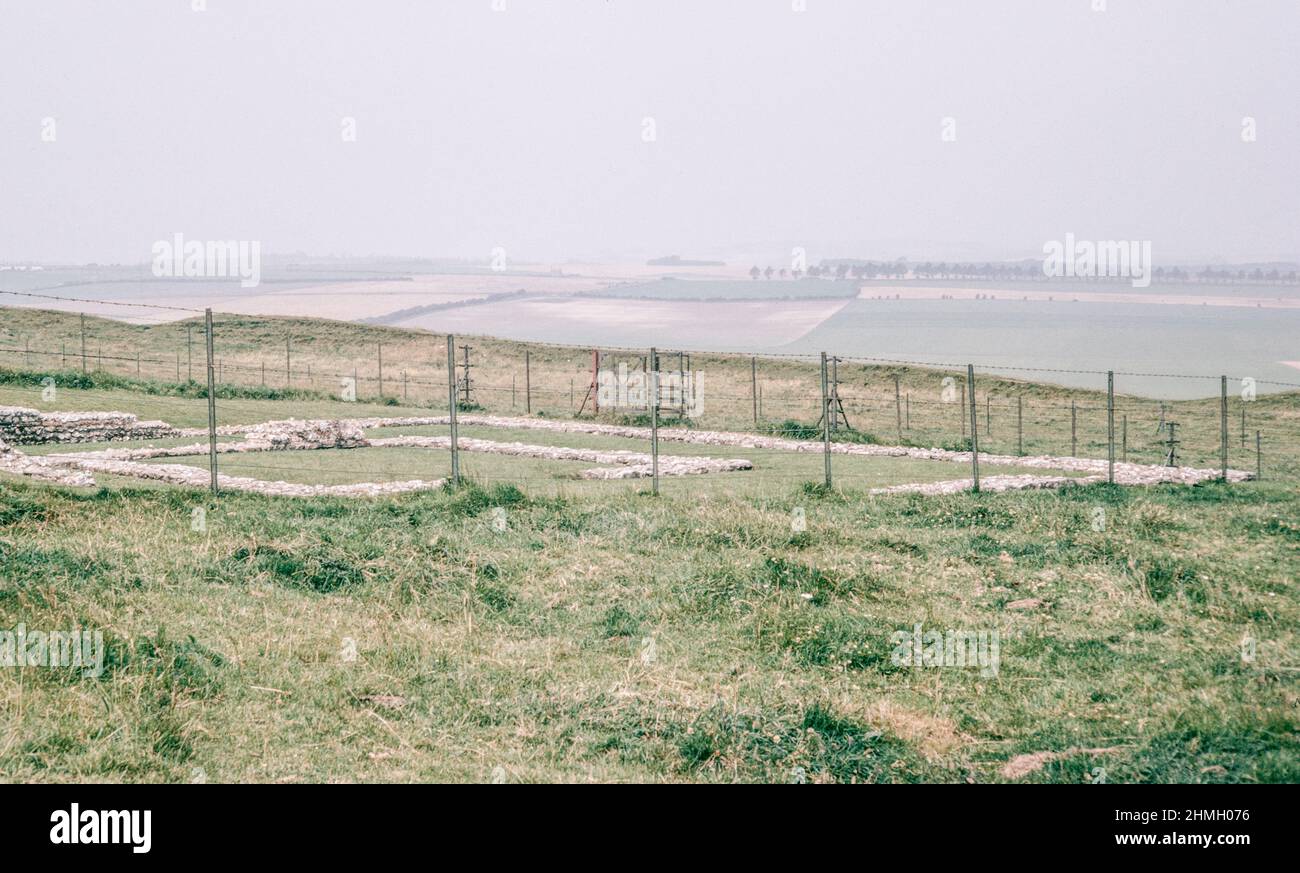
[
  {"x": 678, "y": 639},
  {"x": 740, "y": 627},
  {"x": 773, "y": 471},
  {"x": 1010, "y": 412}
]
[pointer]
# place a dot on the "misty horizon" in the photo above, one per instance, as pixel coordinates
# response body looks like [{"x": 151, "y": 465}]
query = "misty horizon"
[{"x": 633, "y": 130}]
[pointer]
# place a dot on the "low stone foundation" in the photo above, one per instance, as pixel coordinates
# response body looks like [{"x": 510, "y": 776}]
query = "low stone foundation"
[
  {"x": 1125, "y": 473},
  {"x": 29, "y": 426},
  {"x": 989, "y": 483},
  {"x": 14, "y": 461},
  {"x": 623, "y": 464},
  {"x": 193, "y": 477},
  {"x": 21, "y": 426},
  {"x": 309, "y": 434},
  {"x": 319, "y": 435}
]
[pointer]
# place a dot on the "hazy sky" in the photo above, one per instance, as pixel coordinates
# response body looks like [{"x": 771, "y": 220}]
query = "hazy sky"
[{"x": 773, "y": 128}]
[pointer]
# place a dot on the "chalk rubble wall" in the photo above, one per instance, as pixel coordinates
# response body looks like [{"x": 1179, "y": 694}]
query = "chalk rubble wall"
[
  {"x": 22, "y": 426},
  {"x": 20, "y": 464}
]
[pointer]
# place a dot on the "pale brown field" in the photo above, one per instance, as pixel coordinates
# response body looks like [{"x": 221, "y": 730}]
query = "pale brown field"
[
  {"x": 682, "y": 323},
  {"x": 930, "y": 293}
]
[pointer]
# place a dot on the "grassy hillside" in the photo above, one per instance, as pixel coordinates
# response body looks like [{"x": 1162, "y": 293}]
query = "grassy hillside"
[
  {"x": 528, "y": 628},
  {"x": 675, "y": 639},
  {"x": 251, "y": 353}
]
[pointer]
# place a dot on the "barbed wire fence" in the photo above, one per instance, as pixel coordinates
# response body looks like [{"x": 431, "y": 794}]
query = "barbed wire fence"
[{"x": 828, "y": 398}]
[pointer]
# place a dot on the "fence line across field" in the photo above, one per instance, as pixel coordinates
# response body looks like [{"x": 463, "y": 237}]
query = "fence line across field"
[
  {"x": 1002, "y": 403},
  {"x": 840, "y": 403}
]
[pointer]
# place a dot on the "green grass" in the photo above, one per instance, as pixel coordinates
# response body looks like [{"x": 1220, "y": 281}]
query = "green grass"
[
  {"x": 620, "y": 637},
  {"x": 774, "y": 472},
  {"x": 606, "y": 635},
  {"x": 193, "y": 411},
  {"x": 789, "y": 388}
]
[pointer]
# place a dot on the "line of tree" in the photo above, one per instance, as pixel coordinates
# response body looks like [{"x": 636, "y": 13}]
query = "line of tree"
[
  {"x": 827, "y": 271},
  {"x": 1022, "y": 271}
]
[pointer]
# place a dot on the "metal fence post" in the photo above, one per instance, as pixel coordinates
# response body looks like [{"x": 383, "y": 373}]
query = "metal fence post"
[
  {"x": 1020, "y": 425},
  {"x": 528, "y": 382},
  {"x": 212, "y": 403},
  {"x": 83, "y": 342},
  {"x": 961, "y": 411},
  {"x": 753, "y": 386},
  {"x": 1110, "y": 426},
  {"x": 1074, "y": 430},
  {"x": 653, "y": 400},
  {"x": 1259, "y": 469},
  {"x": 1125, "y": 438},
  {"x": 826, "y": 426},
  {"x": 1223, "y": 423},
  {"x": 898, "y": 408},
  {"x": 466, "y": 382},
  {"x": 451, "y": 408},
  {"x": 835, "y": 393},
  {"x": 189, "y": 353},
  {"x": 974, "y": 437}
]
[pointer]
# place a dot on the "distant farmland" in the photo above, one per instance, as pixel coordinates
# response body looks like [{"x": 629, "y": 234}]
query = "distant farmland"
[
  {"x": 1242, "y": 333},
  {"x": 599, "y": 320},
  {"x": 739, "y": 289},
  {"x": 1062, "y": 336}
]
